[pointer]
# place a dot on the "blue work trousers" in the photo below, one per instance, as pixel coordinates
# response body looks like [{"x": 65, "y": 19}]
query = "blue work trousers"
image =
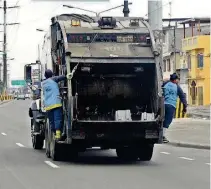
[
  {"x": 55, "y": 118},
  {"x": 169, "y": 115}
]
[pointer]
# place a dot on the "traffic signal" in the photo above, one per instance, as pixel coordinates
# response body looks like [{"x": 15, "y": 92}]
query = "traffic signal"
[{"x": 28, "y": 73}]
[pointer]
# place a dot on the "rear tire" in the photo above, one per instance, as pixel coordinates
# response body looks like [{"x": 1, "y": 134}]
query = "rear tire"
[
  {"x": 47, "y": 141},
  {"x": 145, "y": 152},
  {"x": 37, "y": 142},
  {"x": 127, "y": 154},
  {"x": 72, "y": 153},
  {"x": 37, "y": 139},
  {"x": 55, "y": 150}
]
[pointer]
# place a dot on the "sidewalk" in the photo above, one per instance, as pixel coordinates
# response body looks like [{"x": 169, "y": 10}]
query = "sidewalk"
[
  {"x": 189, "y": 132},
  {"x": 5, "y": 101},
  {"x": 199, "y": 112}
]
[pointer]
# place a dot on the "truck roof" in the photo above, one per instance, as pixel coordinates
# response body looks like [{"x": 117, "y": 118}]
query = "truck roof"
[
  {"x": 89, "y": 27},
  {"x": 90, "y": 24}
]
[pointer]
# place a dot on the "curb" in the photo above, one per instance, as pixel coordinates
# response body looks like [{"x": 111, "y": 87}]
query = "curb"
[
  {"x": 5, "y": 102},
  {"x": 198, "y": 116},
  {"x": 190, "y": 145}
]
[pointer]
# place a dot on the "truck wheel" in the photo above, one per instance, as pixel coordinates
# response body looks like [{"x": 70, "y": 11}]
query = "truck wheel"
[
  {"x": 145, "y": 152},
  {"x": 37, "y": 139},
  {"x": 36, "y": 127},
  {"x": 127, "y": 154},
  {"x": 55, "y": 149},
  {"x": 37, "y": 142},
  {"x": 47, "y": 141},
  {"x": 72, "y": 153}
]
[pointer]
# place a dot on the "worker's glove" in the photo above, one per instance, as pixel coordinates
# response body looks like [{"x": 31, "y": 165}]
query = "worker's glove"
[
  {"x": 184, "y": 110},
  {"x": 69, "y": 76}
]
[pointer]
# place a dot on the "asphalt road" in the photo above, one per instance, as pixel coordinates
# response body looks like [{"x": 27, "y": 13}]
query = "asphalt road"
[{"x": 23, "y": 168}]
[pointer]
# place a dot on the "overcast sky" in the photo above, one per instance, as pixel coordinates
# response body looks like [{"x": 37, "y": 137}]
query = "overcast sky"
[{"x": 23, "y": 39}]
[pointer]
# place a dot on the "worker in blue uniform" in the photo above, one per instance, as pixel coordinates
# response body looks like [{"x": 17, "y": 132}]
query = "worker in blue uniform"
[
  {"x": 172, "y": 90},
  {"x": 53, "y": 101}
]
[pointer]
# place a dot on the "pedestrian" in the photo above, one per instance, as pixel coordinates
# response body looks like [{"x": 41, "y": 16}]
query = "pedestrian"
[
  {"x": 53, "y": 102},
  {"x": 172, "y": 90}
]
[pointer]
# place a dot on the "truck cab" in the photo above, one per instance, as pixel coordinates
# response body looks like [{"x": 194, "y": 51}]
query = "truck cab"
[{"x": 35, "y": 112}]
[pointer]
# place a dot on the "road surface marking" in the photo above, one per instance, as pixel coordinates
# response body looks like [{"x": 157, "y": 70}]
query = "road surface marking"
[
  {"x": 51, "y": 164},
  {"x": 165, "y": 153},
  {"x": 208, "y": 163},
  {"x": 20, "y": 145},
  {"x": 186, "y": 158},
  {"x": 4, "y": 134}
]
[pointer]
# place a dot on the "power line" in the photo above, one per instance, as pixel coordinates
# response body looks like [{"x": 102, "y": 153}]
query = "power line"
[
  {"x": 5, "y": 24},
  {"x": 42, "y": 16},
  {"x": 164, "y": 5},
  {"x": 14, "y": 40}
]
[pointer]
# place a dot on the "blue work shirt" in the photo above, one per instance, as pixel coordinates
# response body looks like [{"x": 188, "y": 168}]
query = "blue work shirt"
[
  {"x": 171, "y": 93},
  {"x": 51, "y": 92}
]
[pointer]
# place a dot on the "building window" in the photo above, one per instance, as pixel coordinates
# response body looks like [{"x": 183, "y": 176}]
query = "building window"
[
  {"x": 164, "y": 66},
  {"x": 168, "y": 65},
  {"x": 200, "y": 61},
  {"x": 189, "y": 61}
]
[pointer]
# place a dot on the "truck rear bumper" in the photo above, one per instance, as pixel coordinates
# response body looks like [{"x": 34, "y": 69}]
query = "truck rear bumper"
[{"x": 115, "y": 132}]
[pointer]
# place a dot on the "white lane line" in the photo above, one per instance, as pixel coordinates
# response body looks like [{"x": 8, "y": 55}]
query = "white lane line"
[
  {"x": 208, "y": 163},
  {"x": 4, "y": 134},
  {"x": 190, "y": 159},
  {"x": 20, "y": 145},
  {"x": 51, "y": 164},
  {"x": 167, "y": 153}
]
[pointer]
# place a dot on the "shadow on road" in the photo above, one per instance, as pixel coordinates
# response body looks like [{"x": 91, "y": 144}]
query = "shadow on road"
[{"x": 104, "y": 157}]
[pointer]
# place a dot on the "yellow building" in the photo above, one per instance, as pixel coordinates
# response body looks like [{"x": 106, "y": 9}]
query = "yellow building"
[{"x": 197, "y": 51}]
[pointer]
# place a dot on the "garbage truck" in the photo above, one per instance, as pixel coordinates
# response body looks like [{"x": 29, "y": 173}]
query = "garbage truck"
[{"x": 114, "y": 98}]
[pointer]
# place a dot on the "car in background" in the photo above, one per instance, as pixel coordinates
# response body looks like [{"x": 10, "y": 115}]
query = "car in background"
[
  {"x": 21, "y": 97},
  {"x": 27, "y": 96},
  {"x": 15, "y": 96}
]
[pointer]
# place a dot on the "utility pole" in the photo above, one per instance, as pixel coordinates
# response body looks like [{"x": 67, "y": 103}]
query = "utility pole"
[
  {"x": 5, "y": 41},
  {"x": 126, "y": 10},
  {"x": 175, "y": 48},
  {"x": 0, "y": 71},
  {"x": 155, "y": 16}
]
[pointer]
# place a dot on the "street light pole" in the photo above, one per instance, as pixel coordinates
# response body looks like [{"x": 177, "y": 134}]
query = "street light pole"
[
  {"x": 4, "y": 46},
  {"x": 38, "y": 61},
  {"x": 125, "y": 10},
  {"x": 123, "y": 5},
  {"x": 72, "y": 7},
  {"x": 38, "y": 48}
]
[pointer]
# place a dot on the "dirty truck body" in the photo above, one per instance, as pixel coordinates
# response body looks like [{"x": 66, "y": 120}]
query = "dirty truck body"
[{"x": 114, "y": 99}]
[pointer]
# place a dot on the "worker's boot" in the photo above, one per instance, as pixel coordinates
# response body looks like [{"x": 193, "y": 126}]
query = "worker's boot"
[
  {"x": 58, "y": 135},
  {"x": 165, "y": 140}
]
